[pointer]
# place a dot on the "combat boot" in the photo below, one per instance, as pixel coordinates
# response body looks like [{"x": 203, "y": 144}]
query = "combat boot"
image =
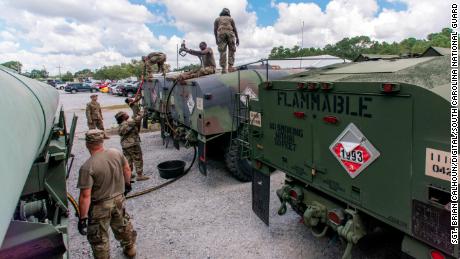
[
  {"x": 141, "y": 177},
  {"x": 130, "y": 251}
]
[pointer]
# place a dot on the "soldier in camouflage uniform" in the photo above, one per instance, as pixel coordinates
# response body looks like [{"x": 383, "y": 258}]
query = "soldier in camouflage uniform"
[
  {"x": 94, "y": 115},
  {"x": 208, "y": 63},
  {"x": 131, "y": 143},
  {"x": 158, "y": 58},
  {"x": 104, "y": 180},
  {"x": 226, "y": 35},
  {"x": 136, "y": 108}
]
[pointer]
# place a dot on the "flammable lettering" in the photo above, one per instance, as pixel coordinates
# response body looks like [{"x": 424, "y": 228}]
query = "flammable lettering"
[{"x": 330, "y": 103}]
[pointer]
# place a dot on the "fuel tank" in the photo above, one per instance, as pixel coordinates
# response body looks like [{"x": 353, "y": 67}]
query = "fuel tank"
[{"x": 28, "y": 109}]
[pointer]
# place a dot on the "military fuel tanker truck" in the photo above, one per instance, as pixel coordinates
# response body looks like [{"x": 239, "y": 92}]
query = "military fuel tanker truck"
[
  {"x": 206, "y": 111},
  {"x": 365, "y": 148},
  {"x": 34, "y": 153}
]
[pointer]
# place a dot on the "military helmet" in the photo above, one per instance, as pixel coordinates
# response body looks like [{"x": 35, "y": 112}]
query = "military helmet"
[
  {"x": 224, "y": 12},
  {"x": 94, "y": 136},
  {"x": 119, "y": 115}
]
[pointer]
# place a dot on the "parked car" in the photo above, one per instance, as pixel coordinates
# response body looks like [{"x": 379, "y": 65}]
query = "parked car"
[
  {"x": 80, "y": 87},
  {"x": 129, "y": 89},
  {"x": 60, "y": 85},
  {"x": 115, "y": 89}
]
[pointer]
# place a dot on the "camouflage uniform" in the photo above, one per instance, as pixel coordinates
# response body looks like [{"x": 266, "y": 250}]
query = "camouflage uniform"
[
  {"x": 103, "y": 173},
  {"x": 131, "y": 143},
  {"x": 226, "y": 35},
  {"x": 136, "y": 108},
  {"x": 94, "y": 115},
  {"x": 153, "y": 58},
  {"x": 208, "y": 62},
  {"x": 109, "y": 213}
]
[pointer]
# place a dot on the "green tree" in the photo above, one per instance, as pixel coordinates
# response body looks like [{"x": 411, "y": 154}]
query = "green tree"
[
  {"x": 350, "y": 48},
  {"x": 38, "y": 73},
  {"x": 84, "y": 73},
  {"x": 188, "y": 67},
  {"x": 67, "y": 77},
  {"x": 15, "y": 65}
]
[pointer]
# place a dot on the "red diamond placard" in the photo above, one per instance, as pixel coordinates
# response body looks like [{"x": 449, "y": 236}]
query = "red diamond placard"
[{"x": 353, "y": 151}]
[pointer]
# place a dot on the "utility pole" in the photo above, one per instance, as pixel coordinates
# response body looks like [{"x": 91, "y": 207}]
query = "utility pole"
[
  {"x": 301, "y": 45},
  {"x": 59, "y": 67},
  {"x": 177, "y": 56}
]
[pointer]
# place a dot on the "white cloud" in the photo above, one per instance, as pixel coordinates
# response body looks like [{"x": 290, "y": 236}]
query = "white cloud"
[{"x": 77, "y": 34}]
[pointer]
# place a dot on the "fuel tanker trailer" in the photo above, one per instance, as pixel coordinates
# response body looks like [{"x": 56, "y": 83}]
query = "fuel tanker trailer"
[
  {"x": 366, "y": 150},
  {"x": 34, "y": 153},
  {"x": 207, "y": 112}
]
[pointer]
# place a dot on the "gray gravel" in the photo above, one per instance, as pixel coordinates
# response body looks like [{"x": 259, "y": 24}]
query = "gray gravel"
[{"x": 197, "y": 216}]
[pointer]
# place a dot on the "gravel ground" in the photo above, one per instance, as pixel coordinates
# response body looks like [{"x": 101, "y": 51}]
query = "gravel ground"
[{"x": 197, "y": 216}]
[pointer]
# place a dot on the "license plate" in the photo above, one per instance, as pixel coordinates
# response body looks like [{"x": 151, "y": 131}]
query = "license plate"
[{"x": 355, "y": 156}]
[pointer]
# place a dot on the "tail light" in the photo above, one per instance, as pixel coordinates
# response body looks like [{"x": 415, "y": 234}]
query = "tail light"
[
  {"x": 312, "y": 86},
  {"x": 326, "y": 86},
  {"x": 336, "y": 216},
  {"x": 436, "y": 255},
  {"x": 299, "y": 115},
  {"x": 258, "y": 164},
  {"x": 294, "y": 195},
  {"x": 390, "y": 88},
  {"x": 330, "y": 119}
]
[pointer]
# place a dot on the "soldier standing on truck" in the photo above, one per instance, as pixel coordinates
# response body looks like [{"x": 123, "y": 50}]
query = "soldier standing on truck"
[
  {"x": 226, "y": 35},
  {"x": 136, "y": 108},
  {"x": 131, "y": 142},
  {"x": 158, "y": 58},
  {"x": 94, "y": 115},
  {"x": 103, "y": 179},
  {"x": 208, "y": 63}
]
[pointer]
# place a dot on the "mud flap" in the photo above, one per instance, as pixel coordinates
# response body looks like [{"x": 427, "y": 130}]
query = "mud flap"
[
  {"x": 202, "y": 158},
  {"x": 261, "y": 195}
]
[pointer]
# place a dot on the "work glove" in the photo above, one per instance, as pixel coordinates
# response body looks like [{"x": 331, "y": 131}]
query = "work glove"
[
  {"x": 128, "y": 188},
  {"x": 237, "y": 42},
  {"x": 82, "y": 226}
]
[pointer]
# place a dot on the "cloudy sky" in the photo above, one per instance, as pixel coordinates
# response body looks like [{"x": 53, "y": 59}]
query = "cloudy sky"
[{"x": 77, "y": 34}]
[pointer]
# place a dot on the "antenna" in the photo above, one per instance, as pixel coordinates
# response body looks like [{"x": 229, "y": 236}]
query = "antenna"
[{"x": 59, "y": 67}]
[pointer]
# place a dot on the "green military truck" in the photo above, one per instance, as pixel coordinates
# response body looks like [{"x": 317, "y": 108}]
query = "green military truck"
[
  {"x": 34, "y": 153},
  {"x": 365, "y": 148},
  {"x": 204, "y": 112}
]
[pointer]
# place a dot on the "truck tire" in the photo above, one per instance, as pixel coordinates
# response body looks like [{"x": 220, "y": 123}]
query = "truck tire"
[
  {"x": 239, "y": 168},
  {"x": 130, "y": 94},
  {"x": 74, "y": 91}
]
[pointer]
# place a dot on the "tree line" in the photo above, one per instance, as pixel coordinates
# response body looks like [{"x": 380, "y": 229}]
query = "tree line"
[{"x": 350, "y": 48}]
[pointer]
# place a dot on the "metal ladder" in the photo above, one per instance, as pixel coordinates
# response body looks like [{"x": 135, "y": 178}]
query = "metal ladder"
[{"x": 241, "y": 125}]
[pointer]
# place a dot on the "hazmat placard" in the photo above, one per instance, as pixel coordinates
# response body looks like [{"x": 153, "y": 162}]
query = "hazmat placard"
[{"x": 353, "y": 150}]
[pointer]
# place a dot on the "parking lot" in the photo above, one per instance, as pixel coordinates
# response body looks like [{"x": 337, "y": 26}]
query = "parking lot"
[{"x": 197, "y": 216}]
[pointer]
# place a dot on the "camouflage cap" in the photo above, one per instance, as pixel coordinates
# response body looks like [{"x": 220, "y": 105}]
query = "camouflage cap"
[
  {"x": 94, "y": 136},
  {"x": 119, "y": 114}
]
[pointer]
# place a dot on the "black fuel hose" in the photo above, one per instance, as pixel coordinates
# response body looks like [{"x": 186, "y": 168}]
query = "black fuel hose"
[
  {"x": 167, "y": 107},
  {"x": 137, "y": 194}
]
